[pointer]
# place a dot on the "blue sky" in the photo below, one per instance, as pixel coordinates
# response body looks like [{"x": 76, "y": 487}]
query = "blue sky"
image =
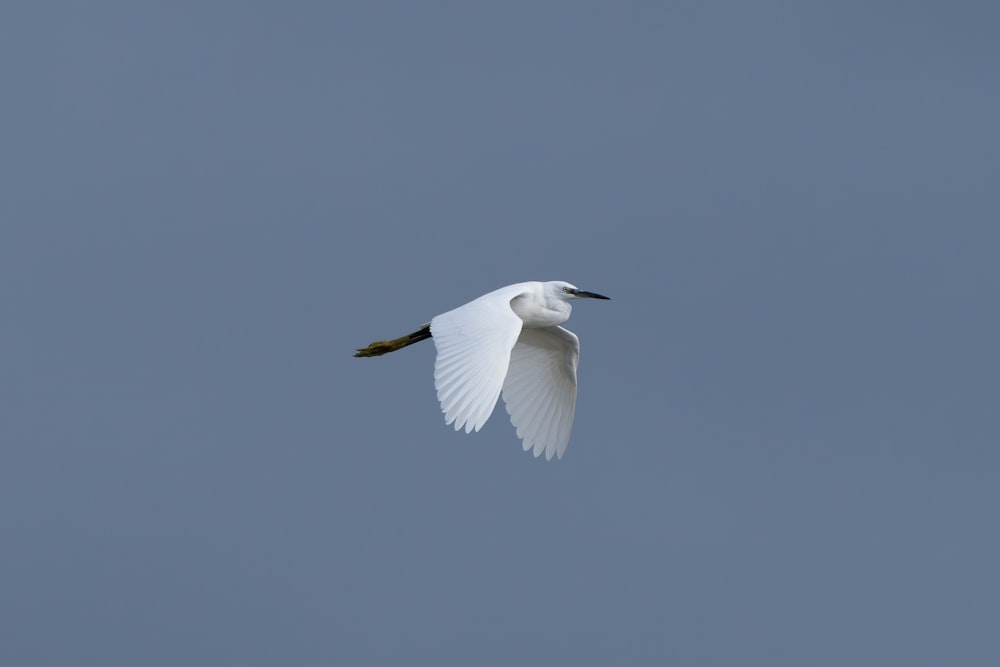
[{"x": 785, "y": 450}]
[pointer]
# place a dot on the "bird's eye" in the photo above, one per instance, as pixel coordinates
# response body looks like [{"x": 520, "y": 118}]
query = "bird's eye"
[{"x": 567, "y": 290}]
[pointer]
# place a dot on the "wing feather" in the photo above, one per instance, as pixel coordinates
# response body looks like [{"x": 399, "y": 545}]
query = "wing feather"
[
  {"x": 473, "y": 352},
  {"x": 540, "y": 388}
]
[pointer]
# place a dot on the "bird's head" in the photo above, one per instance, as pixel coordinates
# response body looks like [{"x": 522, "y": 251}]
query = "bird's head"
[{"x": 566, "y": 291}]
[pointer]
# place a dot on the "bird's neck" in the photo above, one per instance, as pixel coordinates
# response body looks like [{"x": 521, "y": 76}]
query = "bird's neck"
[{"x": 537, "y": 311}]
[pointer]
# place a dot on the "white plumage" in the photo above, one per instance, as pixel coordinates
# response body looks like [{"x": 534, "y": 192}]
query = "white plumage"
[{"x": 507, "y": 342}]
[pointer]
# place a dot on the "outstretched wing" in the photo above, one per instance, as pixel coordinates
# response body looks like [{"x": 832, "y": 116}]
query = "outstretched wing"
[
  {"x": 540, "y": 389},
  {"x": 473, "y": 351}
]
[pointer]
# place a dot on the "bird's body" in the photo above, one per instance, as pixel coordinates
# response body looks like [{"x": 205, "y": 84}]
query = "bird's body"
[{"x": 506, "y": 341}]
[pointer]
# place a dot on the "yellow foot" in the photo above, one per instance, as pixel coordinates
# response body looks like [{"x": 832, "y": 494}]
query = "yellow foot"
[{"x": 380, "y": 347}]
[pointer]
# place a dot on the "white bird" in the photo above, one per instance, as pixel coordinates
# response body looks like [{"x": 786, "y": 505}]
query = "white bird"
[{"x": 508, "y": 340}]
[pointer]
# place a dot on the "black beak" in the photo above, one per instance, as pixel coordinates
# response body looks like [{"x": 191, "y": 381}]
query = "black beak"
[{"x": 590, "y": 295}]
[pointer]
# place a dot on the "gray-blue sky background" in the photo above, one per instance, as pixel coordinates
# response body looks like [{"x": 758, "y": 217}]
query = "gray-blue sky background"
[{"x": 786, "y": 444}]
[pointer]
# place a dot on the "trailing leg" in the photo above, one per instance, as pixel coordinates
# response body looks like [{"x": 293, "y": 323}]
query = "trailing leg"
[{"x": 380, "y": 347}]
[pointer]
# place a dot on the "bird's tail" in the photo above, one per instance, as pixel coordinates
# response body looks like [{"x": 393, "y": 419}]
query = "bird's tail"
[{"x": 380, "y": 347}]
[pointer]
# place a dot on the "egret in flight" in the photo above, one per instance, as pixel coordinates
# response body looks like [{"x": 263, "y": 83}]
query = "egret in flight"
[{"x": 508, "y": 340}]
